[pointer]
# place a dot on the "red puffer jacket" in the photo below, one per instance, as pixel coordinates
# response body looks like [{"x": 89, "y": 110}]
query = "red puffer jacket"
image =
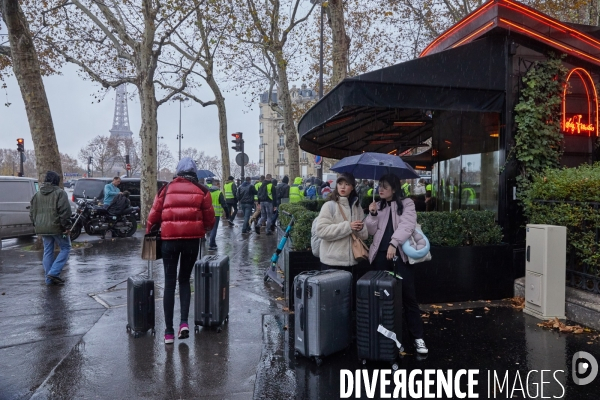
[{"x": 183, "y": 209}]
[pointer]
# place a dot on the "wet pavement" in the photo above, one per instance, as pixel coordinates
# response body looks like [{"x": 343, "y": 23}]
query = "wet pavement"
[{"x": 70, "y": 341}]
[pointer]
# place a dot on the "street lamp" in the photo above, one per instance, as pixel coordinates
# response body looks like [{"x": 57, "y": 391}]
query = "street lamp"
[
  {"x": 180, "y": 136},
  {"x": 320, "y": 170}
]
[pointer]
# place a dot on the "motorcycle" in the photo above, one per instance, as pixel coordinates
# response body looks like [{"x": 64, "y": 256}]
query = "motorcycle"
[{"x": 96, "y": 220}]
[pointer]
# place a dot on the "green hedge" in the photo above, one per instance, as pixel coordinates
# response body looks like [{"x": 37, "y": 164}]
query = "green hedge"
[
  {"x": 573, "y": 192},
  {"x": 456, "y": 228},
  {"x": 460, "y": 228}
]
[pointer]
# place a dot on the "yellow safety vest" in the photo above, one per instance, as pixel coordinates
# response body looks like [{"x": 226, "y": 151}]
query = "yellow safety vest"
[
  {"x": 428, "y": 187},
  {"x": 406, "y": 189},
  {"x": 295, "y": 194},
  {"x": 370, "y": 192},
  {"x": 257, "y": 186},
  {"x": 215, "y": 202},
  {"x": 472, "y": 196},
  {"x": 229, "y": 191}
]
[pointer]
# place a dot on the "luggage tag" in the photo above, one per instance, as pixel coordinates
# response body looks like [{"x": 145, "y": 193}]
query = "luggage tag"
[{"x": 390, "y": 335}]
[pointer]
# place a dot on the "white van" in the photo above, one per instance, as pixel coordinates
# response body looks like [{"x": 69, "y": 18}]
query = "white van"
[{"x": 15, "y": 197}]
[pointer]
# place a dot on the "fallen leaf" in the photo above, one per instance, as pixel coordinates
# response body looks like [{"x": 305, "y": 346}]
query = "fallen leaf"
[
  {"x": 468, "y": 310},
  {"x": 590, "y": 342},
  {"x": 286, "y": 309},
  {"x": 449, "y": 304},
  {"x": 291, "y": 312},
  {"x": 402, "y": 353},
  {"x": 435, "y": 306},
  {"x": 449, "y": 319},
  {"x": 488, "y": 301},
  {"x": 422, "y": 315},
  {"x": 518, "y": 303},
  {"x": 279, "y": 299},
  {"x": 285, "y": 328},
  {"x": 486, "y": 309},
  {"x": 436, "y": 312},
  {"x": 578, "y": 331}
]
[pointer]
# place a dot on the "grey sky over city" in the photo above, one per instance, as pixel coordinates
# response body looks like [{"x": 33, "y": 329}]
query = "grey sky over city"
[{"x": 78, "y": 117}]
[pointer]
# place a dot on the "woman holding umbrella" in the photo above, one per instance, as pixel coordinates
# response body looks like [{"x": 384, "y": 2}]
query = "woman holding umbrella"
[
  {"x": 392, "y": 222},
  {"x": 338, "y": 219}
]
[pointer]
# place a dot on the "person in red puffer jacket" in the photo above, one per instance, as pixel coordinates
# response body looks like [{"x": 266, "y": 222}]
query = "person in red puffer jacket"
[{"x": 184, "y": 211}]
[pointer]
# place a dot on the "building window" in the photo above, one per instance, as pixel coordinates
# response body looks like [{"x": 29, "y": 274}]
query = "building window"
[
  {"x": 262, "y": 130},
  {"x": 261, "y": 138},
  {"x": 281, "y": 140},
  {"x": 261, "y": 158},
  {"x": 303, "y": 155},
  {"x": 281, "y": 156}
]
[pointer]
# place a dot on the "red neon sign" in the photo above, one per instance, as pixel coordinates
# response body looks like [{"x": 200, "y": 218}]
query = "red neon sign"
[{"x": 573, "y": 125}]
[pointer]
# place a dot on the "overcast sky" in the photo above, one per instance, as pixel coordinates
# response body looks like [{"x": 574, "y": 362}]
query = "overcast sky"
[{"x": 78, "y": 118}]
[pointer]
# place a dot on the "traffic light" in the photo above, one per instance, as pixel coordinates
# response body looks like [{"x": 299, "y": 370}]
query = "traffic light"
[
  {"x": 20, "y": 145},
  {"x": 238, "y": 142},
  {"x": 89, "y": 160}
]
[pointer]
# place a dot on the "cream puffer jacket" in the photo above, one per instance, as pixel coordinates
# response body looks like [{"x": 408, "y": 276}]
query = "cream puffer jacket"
[{"x": 335, "y": 232}]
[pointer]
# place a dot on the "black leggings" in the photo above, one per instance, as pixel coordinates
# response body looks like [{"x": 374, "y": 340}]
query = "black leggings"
[
  {"x": 171, "y": 251},
  {"x": 409, "y": 295}
]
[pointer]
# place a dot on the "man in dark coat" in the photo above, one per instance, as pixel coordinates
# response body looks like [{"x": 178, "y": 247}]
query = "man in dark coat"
[
  {"x": 119, "y": 204},
  {"x": 50, "y": 213}
]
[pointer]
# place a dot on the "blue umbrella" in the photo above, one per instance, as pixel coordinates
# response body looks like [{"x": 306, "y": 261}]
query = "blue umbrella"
[
  {"x": 375, "y": 165},
  {"x": 204, "y": 173}
]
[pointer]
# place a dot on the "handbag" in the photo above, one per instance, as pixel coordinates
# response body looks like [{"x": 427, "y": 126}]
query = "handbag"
[
  {"x": 152, "y": 246},
  {"x": 417, "y": 247},
  {"x": 360, "y": 250}
]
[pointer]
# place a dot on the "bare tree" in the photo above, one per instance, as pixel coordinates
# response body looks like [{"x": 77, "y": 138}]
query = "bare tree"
[
  {"x": 125, "y": 42},
  {"x": 101, "y": 149},
  {"x": 26, "y": 67},
  {"x": 265, "y": 28},
  {"x": 165, "y": 159}
]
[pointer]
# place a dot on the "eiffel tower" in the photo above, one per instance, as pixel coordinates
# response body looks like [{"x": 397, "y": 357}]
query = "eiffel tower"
[{"x": 120, "y": 129}]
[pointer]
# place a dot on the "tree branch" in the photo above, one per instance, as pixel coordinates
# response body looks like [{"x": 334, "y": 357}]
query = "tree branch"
[{"x": 5, "y": 51}]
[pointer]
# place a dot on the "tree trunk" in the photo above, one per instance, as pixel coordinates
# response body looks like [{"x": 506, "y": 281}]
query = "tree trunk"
[
  {"x": 340, "y": 41},
  {"x": 220, "y": 101},
  {"x": 26, "y": 67},
  {"x": 148, "y": 135},
  {"x": 285, "y": 102}
]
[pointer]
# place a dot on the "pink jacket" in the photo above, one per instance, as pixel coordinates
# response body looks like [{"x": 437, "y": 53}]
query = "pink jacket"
[{"x": 404, "y": 226}]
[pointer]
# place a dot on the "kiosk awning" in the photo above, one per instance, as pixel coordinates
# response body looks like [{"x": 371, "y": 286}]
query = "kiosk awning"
[{"x": 387, "y": 109}]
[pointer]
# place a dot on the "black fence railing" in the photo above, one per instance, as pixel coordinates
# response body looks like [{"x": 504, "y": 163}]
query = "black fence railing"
[{"x": 580, "y": 273}]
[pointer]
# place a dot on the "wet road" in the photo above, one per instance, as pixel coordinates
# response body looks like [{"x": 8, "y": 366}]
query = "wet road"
[{"x": 70, "y": 342}]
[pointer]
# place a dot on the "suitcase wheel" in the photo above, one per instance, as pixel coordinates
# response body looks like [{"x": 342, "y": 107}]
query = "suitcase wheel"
[
  {"x": 127, "y": 328},
  {"x": 395, "y": 366},
  {"x": 153, "y": 332},
  {"x": 196, "y": 329},
  {"x": 136, "y": 335},
  {"x": 319, "y": 361},
  {"x": 266, "y": 278},
  {"x": 296, "y": 353},
  {"x": 227, "y": 318}
]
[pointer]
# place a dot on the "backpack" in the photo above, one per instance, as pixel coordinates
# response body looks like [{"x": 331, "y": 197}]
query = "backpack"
[
  {"x": 263, "y": 195},
  {"x": 315, "y": 241},
  {"x": 311, "y": 192}
]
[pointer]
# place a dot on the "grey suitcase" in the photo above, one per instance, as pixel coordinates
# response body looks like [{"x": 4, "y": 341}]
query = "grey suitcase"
[
  {"x": 323, "y": 312},
  {"x": 211, "y": 292}
]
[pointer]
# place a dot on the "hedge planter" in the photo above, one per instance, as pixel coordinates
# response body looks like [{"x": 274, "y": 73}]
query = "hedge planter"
[{"x": 465, "y": 273}]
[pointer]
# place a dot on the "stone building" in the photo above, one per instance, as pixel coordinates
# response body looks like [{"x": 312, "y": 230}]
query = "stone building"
[{"x": 273, "y": 154}]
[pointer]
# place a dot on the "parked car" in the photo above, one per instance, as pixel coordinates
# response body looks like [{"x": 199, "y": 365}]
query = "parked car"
[
  {"x": 15, "y": 198},
  {"x": 70, "y": 183},
  {"x": 94, "y": 188}
]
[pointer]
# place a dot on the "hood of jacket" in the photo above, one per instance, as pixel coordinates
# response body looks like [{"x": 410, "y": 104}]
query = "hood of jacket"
[
  {"x": 48, "y": 188},
  {"x": 298, "y": 181},
  {"x": 245, "y": 184}
]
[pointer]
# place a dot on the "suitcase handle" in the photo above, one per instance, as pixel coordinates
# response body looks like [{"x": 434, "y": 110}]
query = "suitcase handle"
[{"x": 302, "y": 317}]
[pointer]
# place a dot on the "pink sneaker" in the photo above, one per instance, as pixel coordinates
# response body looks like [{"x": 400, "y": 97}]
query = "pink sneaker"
[
  {"x": 169, "y": 338},
  {"x": 184, "y": 331}
]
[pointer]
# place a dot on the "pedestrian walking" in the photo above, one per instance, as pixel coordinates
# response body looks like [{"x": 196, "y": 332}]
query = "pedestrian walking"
[
  {"x": 230, "y": 189},
  {"x": 325, "y": 190},
  {"x": 283, "y": 190},
  {"x": 392, "y": 222},
  {"x": 267, "y": 197},
  {"x": 183, "y": 210},
  {"x": 420, "y": 188},
  {"x": 220, "y": 206},
  {"x": 337, "y": 220},
  {"x": 111, "y": 190},
  {"x": 246, "y": 193},
  {"x": 50, "y": 213},
  {"x": 276, "y": 202}
]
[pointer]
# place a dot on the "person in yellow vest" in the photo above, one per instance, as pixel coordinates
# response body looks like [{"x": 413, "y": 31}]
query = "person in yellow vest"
[
  {"x": 267, "y": 197},
  {"x": 469, "y": 196},
  {"x": 220, "y": 207},
  {"x": 257, "y": 186},
  {"x": 231, "y": 198},
  {"x": 296, "y": 191},
  {"x": 428, "y": 187},
  {"x": 406, "y": 188}
]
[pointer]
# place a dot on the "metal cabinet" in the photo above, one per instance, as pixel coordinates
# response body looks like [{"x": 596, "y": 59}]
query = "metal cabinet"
[{"x": 545, "y": 271}]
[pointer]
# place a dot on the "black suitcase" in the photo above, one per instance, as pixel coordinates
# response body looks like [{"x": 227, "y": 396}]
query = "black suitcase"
[
  {"x": 322, "y": 317},
  {"x": 211, "y": 292},
  {"x": 140, "y": 304},
  {"x": 378, "y": 303}
]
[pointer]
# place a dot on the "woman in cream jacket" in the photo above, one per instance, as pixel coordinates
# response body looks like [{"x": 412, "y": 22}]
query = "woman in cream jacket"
[
  {"x": 392, "y": 222},
  {"x": 335, "y": 231}
]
